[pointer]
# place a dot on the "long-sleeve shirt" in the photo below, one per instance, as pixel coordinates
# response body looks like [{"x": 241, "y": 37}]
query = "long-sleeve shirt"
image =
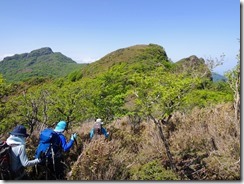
[
  {"x": 65, "y": 145},
  {"x": 19, "y": 157},
  {"x": 104, "y": 132},
  {"x": 59, "y": 145}
]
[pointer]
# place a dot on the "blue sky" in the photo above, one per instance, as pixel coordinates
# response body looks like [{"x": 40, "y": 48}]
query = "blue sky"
[{"x": 86, "y": 30}]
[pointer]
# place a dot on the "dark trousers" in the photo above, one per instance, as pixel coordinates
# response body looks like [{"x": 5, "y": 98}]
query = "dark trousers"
[{"x": 48, "y": 170}]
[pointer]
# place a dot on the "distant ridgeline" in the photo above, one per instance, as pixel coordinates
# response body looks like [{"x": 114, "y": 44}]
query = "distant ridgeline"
[
  {"x": 38, "y": 63},
  {"x": 45, "y": 63},
  {"x": 217, "y": 77},
  {"x": 141, "y": 58},
  {"x": 137, "y": 58}
]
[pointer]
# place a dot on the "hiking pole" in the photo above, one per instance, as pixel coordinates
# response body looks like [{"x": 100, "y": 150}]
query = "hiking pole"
[
  {"x": 36, "y": 170},
  {"x": 71, "y": 128},
  {"x": 54, "y": 167},
  {"x": 75, "y": 140},
  {"x": 46, "y": 168}
]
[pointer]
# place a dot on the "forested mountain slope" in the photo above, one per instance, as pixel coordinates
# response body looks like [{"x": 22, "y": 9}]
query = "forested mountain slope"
[
  {"x": 38, "y": 63},
  {"x": 142, "y": 59},
  {"x": 137, "y": 58},
  {"x": 193, "y": 64},
  {"x": 167, "y": 121}
]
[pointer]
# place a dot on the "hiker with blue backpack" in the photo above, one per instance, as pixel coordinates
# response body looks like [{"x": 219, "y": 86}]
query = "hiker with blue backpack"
[
  {"x": 52, "y": 144},
  {"x": 18, "y": 157},
  {"x": 98, "y": 130}
]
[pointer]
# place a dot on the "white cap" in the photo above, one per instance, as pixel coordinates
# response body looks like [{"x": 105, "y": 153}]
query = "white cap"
[{"x": 99, "y": 121}]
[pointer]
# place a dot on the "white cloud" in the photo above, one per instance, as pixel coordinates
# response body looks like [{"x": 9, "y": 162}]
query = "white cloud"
[
  {"x": 5, "y": 55},
  {"x": 86, "y": 60}
]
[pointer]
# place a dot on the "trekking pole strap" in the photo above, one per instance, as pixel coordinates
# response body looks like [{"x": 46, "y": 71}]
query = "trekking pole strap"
[{"x": 53, "y": 159}]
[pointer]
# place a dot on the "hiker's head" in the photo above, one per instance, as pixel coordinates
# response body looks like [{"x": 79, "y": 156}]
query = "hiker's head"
[
  {"x": 99, "y": 121},
  {"x": 19, "y": 130},
  {"x": 61, "y": 126}
]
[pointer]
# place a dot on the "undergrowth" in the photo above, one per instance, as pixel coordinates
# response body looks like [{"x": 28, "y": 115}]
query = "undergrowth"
[{"x": 205, "y": 145}]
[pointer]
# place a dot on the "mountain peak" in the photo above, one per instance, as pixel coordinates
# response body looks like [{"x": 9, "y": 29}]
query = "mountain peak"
[
  {"x": 41, "y": 62},
  {"x": 135, "y": 52},
  {"x": 34, "y": 53},
  {"x": 40, "y": 52},
  {"x": 192, "y": 60},
  {"x": 138, "y": 56}
]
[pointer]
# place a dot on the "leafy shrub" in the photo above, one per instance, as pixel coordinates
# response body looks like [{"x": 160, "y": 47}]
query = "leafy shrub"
[
  {"x": 204, "y": 98},
  {"x": 153, "y": 171}
]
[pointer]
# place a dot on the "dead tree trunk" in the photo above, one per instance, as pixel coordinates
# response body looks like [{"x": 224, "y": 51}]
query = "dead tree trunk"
[{"x": 237, "y": 98}]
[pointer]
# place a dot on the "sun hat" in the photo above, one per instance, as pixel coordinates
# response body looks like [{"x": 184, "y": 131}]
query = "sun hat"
[
  {"x": 99, "y": 121},
  {"x": 60, "y": 126},
  {"x": 19, "y": 130}
]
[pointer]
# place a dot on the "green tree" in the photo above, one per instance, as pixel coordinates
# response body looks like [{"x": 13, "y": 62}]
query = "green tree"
[
  {"x": 32, "y": 107},
  {"x": 112, "y": 90},
  {"x": 5, "y": 107},
  {"x": 160, "y": 94},
  {"x": 63, "y": 102}
]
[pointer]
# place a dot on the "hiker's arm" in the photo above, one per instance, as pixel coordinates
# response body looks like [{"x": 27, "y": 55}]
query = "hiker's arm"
[
  {"x": 24, "y": 159},
  {"x": 105, "y": 133},
  {"x": 66, "y": 146}
]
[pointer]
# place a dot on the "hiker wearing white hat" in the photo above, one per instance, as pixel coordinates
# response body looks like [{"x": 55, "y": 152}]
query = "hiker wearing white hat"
[{"x": 98, "y": 129}]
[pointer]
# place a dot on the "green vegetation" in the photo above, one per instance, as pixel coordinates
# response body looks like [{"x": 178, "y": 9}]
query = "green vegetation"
[
  {"x": 138, "y": 58},
  {"x": 154, "y": 170},
  {"x": 38, "y": 63},
  {"x": 167, "y": 121}
]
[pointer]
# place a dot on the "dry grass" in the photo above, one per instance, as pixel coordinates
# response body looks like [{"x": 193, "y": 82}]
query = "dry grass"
[
  {"x": 211, "y": 132},
  {"x": 112, "y": 160},
  {"x": 205, "y": 146}
]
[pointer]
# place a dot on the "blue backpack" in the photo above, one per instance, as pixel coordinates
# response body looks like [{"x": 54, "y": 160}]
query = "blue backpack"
[{"x": 49, "y": 143}]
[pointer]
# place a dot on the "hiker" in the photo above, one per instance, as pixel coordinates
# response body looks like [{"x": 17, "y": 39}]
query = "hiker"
[
  {"x": 54, "y": 154},
  {"x": 18, "y": 157},
  {"x": 98, "y": 129},
  {"x": 60, "y": 128}
]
